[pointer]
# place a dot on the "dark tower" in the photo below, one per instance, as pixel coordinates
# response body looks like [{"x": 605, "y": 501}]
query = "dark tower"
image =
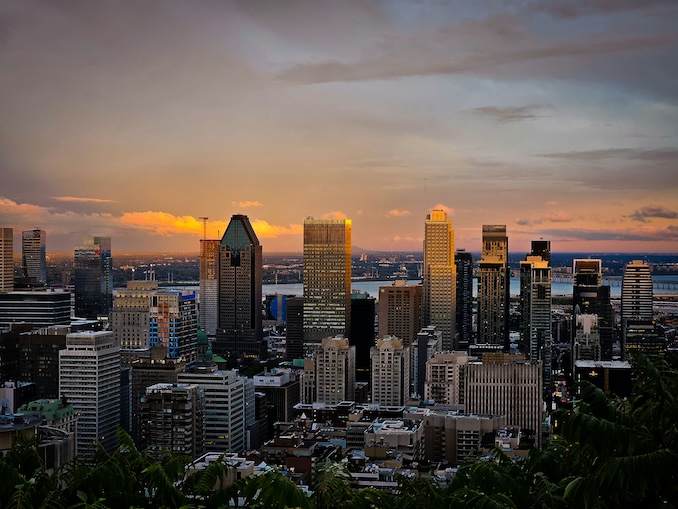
[{"x": 464, "y": 262}]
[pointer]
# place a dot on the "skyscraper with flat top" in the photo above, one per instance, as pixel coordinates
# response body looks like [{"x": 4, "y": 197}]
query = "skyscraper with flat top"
[
  {"x": 6, "y": 259},
  {"x": 440, "y": 276},
  {"x": 209, "y": 286},
  {"x": 33, "y": 254},
  {"x": 637, "y": 293},
  {"x": 464, "y": 322},
  {"x": 327, "y": 278},
  {"x": 93, "y": 277},
  {"x": 493, "y": 287},
  {"x": 239, "y": 329}
]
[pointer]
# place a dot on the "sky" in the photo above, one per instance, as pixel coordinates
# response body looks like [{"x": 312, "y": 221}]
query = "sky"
[{"x": 135, "y": 119}]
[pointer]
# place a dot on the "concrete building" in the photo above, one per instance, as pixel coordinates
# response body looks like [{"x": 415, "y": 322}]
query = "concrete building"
[
  {"x": 400, "y": 311},
  {"x": 39, "y": 308},
  {"x": 239, "y": 328},
  {"x": 295, "y": 328},
  {"x": 405, "y": 436},
  {"x": 174, "y": 324},
  {"x": 89, "y": 379},
  {"x": 172, "y": 418},
  {"x": 208, "y": 310},
  {"x": 327, "y": 278},
  {"x": 335, "y": 371},
  {"x": 225, "y": 413},
  {"x": 445, "y": 373},
  {"x": 429, "y": 341},
  {"x": 493, "y": 287},
  {"x": 464, "y": 321},
  {"x": 637, "y": 295},
  {"x": 503, "y": 384},
  {"x": 440, "y": 276},
  {"x": 34, "y": 255},
  {"x": 586, "y": 345},
  {"x": 93, "y": 277},
  {"x": 131, "y": 314},
  {"x": 39, "y": 358},
  {"x": 6, "y": 260},
  {"x": 282, "y": 389},
  {"x": 645, "y": 337},
  {"x": 390, "y": 360}
]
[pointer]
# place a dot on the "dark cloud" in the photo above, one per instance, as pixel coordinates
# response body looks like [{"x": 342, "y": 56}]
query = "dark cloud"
[
  {"x": 664, "y": 154},
  {"x": 509, "y": 114},
  {"x": 659, "y": 211},
  {"x": 573, "y": 9},
  {"x": 668, "y": 234}
]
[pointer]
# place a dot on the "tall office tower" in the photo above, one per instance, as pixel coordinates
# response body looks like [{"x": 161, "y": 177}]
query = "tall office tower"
[
  {"x": 239, "y": 329},
  {"x": 89, "y": 378},
  {"x": 390, "y": 360},
  {"x": 507, "y": 385},
  {"x": 637, "y": 293},
  {"x": 130, "y": 317},
  {"x": 174, "y": 324},
  {"x": 644, "y": 336},
  {"x": 361, "y": 333},
  {"x": 39, "y": 358},
  {"x": 295, "y": 328},
  {"x": 464, "y": 321},
  {"x": 440, "y": 276},
  {"x": 444, "y": 382},
  {"x": 327, "y": 278},
  {"x": 93, "y": 277},
  {"x": 34, "y": 254},
  {"x": 150, "y": 371},
  {"x": 400, "y": 311},
  {"x": 590, "y": 296},
  {"x": 429, "y": 341},
  {"x": 587, "y": 344},
  {"x": 209, "y": 287},
  {"x": 225, "y": 422},
  {"x": 493, "y": 287},
  {"x": 6, "y": 259},
  {"x": 172, "y": 419},
  {"x": 541, "y": 248},
  {"x": 335, "y": 371}
]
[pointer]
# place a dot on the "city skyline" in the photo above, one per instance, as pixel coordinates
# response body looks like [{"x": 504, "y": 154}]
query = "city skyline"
[{"x": 133, "y": 121}]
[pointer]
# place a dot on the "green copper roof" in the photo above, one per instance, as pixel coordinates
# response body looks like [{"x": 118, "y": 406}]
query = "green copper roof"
[
  {"x": 239, "y": 233},
  {"x": 202, "y": 337}
]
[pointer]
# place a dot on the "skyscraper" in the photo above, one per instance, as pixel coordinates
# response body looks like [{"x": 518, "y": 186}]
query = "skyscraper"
[
  {"x": 174, "y": 324},
  {"x": 93, "y": 277},
  {"x": 130, "y": 316},
  {"x": 335, "y": 371},
  {"x": 33, "y": 254},
  {"x": 440, "y": 276},
  {"x": 209, "y": 286},
  {"x": 464, "y": 321},
  {"x": 390, "y": 360},
  {"x": 327, "y": 278},
  {"x": 6, "y": 259},
  {"x": 400, "y": 311},
  {"x": 493, "y": 287},
  {"x": 239, "y": 329},
  {"x": 637, "y": 293}
]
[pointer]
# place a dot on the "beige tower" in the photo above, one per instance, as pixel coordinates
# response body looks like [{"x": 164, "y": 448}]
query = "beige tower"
[
  {"x": 6, "y": 259},
  {"x": 130, "y": 317},
  {"x": 445, "y": 378},
  {"x": 400, "y": 311},
  {"x": 390, "y": 369},
  {"x": 209, "y": 286},
  {"x": 335, "y": 371},
  {"x": 440, "y": 276},
  {"x": 327, "y": 278}
]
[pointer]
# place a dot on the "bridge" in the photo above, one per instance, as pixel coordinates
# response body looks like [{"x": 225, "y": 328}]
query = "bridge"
[{"x": 657, "y": 284}]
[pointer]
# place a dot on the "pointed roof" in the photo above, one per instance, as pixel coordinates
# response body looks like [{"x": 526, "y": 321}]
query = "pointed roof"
[{"x": 239, "y": 233}]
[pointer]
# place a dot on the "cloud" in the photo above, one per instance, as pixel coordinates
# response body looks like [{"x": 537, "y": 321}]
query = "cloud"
[
  {"x": 247, "y": 204},
  {"x": 448, "y": 210},
  {"x": 659, "y": 211},
  {"x": 569, "y": 9},
  {"x": 161, "y": 223},
  {"x": 335, "y": 214},
  {"x": 76, "y": 199},
  {"x": 398, "y": 213},
  {"x": 509, "y": 114},
  {"x": 265, "y": 230},
  {"x": 663, "y": 154},
  {"x": 524, "y": 222},
  {"x": 668, "y": 234},
  {"x": 558, "y": 217}
]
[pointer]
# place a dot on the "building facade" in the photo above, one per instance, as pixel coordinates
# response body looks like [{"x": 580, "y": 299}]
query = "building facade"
[
  {"x": 493, "y": 287},
  {"x": 400, "y": 311},
  {"x": 440, "y": 276},
  {"x": 209, "y": 286},
  {"x": 131, "y": 314},
  {"x": 390, "y": 368},
  {"x": 464, "y": 321},
  {"x": 637, "y": 292},
  {"x": 34, "y": 255},
  {"x": 174, "y": 324},
  {"x": 444, "y": 382},
  {"x": 327, "y": 278},
  {"x": 93, "y": 277},
  {"x": 6, "y": 259},
  {"x": 334, "y": 371},
  {"x": 37, "y": 308}
]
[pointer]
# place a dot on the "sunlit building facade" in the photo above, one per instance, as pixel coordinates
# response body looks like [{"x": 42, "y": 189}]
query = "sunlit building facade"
[
  {"x": 209, "y": 286},
  {"x": 6, "y": 259}
]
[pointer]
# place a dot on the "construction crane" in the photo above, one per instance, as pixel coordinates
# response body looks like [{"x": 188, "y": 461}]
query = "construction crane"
[{"x": 204, "y": 227}]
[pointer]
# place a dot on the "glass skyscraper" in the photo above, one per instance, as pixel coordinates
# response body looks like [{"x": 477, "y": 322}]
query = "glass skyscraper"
[{"x": 93, "y": 277}]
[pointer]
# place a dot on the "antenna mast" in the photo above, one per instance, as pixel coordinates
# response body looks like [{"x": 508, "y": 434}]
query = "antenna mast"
[{"x": 204, "y": 227}]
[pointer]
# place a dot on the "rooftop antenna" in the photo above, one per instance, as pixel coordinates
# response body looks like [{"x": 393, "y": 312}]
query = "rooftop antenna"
[
  {"x": 425, "y": 204},
  {"x": 204, "y": 227}
]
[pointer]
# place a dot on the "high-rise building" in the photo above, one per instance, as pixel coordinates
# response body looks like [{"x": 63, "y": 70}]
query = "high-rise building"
[
  {"x": 130, "y": 316},
  {"x": 362, "y": 332},
  {"x": 225, "y": 422},
  {"x": 172, "y": 419},
  {"x": 173, "y": 324},
  {"x": 637, "y": 293},
  {"x": 504, "y": 384},
  {"x": 209, "y": 286},
  {"x": 239, "y": 328},
  {"x": 493, "y": 287},
  {"x": 587, "y": 344},
  {"x": 295, "y": 328},
  {"x": 6, "y": 259},
  {"x": 390, "y": 360},
  {"x": 89, "y": 378},
  {"x": 400, "y": 311},
  {"x": 93, "y": 277},
  {"x": 464, "y": 321},
  {"x": 327, "y": 278},
  {"x": 429, "y": 341},
  {"x": 34, "y": 255},
  {"x": 445, "y": 378},
  {"x": 590, "y": 296},
  {"x": 440, "y": 276},
  {"x": 335, "y": 371},
  {"x": 38, "y": 308}
]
